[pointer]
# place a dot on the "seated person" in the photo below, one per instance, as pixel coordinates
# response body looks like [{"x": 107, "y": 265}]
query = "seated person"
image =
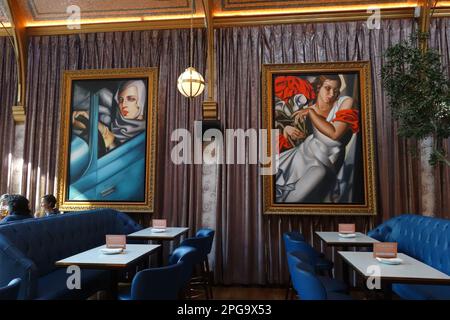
[
  {"x": 18, "y": 209},
  {"x": 48, "y": 206},
  {"x": 3, "y": 205}
]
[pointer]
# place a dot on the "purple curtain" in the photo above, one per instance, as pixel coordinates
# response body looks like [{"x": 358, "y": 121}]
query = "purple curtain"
[
  {"x": 178, "y": 189},
  {"x": 8, "y": 92},
  {"x": 250, "y": 248}
]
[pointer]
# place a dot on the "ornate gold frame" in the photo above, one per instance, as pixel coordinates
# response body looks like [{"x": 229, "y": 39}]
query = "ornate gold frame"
[
  {"x": 363, "y": 68},
  {"x": 69, "y": 76}
]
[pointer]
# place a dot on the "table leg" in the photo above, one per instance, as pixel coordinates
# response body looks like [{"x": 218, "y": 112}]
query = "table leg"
[
  {"x": 160, "y": 256},
  {"x": 346, "y": 273},
  {"x": 387, "y": 290},
  {"x": 114, "y": 280}
]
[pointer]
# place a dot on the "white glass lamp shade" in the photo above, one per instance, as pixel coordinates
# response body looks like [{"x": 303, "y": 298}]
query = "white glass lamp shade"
[{"x": 191, "y": 83}]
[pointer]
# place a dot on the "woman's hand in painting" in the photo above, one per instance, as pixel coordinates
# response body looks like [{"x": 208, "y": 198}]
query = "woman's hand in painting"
[
  {"x": 293, "y": 133},
  {"x": 107, "y": 135},
  {"x": 80, "y": 119},
  {"x": 300, "y": 115}
]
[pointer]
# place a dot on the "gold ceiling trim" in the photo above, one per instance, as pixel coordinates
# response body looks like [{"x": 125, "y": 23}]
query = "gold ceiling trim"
[
  {"x": 5, "y": 33},
  {"x": 228, "y": 5},
  {"x": 440, "y": 12},
  {"x": 222, "y": 22},
  {"x": 238, "y": 21},
  {"x": 117, "y": 26}
]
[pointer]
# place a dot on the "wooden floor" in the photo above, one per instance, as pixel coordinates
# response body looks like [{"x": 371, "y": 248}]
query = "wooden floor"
[
  {"x": 248, "y": 293},
  {"x": 244, "y": 293}
]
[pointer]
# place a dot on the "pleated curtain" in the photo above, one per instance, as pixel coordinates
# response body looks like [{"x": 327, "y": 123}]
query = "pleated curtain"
[
  {"x": 178, "y": 188},
  {"x": 8, "y": 94},
  {"x": 248, "y": 246},
  {"x": 251, "y": 249}
]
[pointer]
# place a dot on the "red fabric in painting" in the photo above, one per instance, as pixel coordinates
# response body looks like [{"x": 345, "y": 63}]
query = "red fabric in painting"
[
  {"x": 288, "y": 86},
  {"x": 283, "y": 144},
  {"x": 350, "y": 117}
]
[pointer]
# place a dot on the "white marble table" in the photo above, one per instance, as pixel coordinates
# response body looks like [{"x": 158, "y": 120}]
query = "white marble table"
[
  {"x": 94, "y": 259},
  {"x": 333, "y": 239},
  {"x": 410, "y": 271},
  {"x": 148, "y": 234}
]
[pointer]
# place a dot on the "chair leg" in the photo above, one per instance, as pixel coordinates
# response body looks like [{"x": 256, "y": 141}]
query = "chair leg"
[
  {"x": 288, "y": 289},
  {"x": 210, "y": 280},
  {"x": 205, "y": 280}
]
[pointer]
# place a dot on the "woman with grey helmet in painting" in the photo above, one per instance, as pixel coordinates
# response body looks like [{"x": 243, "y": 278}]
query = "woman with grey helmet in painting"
[{"x": 128, "y": 117}]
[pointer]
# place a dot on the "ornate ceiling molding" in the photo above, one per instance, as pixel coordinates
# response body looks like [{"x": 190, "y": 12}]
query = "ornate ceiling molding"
[
  {"x": 45, "y": 10},
  {"x": 234, "y": 5}
]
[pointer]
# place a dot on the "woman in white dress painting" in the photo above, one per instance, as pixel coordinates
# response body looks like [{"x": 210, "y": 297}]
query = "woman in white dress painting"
[{"x": 312, "y": 172}]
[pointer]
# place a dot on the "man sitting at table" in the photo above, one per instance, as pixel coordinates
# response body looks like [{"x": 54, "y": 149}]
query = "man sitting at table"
[{"x": 18, "y": 209}]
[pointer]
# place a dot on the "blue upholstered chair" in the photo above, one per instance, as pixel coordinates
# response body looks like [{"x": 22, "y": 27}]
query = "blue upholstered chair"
[
  {"x": 330, "y": 284},
  {"x": 294, "y": 241},
  {"x": 309, "y": 287},
  {"x": 185, "y": 254},
  {"x": 189, "y": 256},
  {"x": 157, "y": 283},
  {"x": 11, "y": 291},
  {"x": 203, "y": 243},
  {"x": 293, "y": 235}
]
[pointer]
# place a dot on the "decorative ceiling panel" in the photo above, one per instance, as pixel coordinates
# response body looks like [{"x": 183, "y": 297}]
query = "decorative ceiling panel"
[
  {"x": 54, "y": 12},
  {"x": 42, "y": 10},
  {"x": 3, "y": 12},
  {"x": 237, "y": 5}
]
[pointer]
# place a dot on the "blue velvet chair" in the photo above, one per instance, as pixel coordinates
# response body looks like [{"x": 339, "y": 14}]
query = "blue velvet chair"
[
  {"x": 11, "y": 291},
  {"x": 158, "y": 283},
  {"x": 330, "y": 284},
  {"x": 203, "y": 243},
  {"x": 309, "y": 287},
  {"x": 187, "y": 255},
  {"x": 294, "y": 241}
]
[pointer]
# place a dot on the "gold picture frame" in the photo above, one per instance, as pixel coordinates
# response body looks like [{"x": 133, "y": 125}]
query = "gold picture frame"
[
  {"x": 114, "y": 168},
  {"x": 307, "y": 185}
]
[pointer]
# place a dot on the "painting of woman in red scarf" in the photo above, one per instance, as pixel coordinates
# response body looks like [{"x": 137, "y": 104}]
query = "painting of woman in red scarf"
[{"x": 318, "y": 123}]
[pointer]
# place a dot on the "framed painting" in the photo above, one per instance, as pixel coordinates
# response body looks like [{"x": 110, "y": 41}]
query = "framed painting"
[
  {"x": 108, "y": 140},
  {"x": 324, "y": 157}
]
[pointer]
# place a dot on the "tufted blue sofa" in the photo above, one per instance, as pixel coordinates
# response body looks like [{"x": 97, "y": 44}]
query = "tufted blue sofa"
[
  {"x": 423, "y": 238},
  {"x": 30, "y": 248}
]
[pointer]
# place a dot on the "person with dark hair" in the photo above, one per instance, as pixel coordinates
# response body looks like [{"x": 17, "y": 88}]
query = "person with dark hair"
[
  {"x": 3, "y": 205},
  {"x": 18, "y": 209},
  {"x": 48, "y": 205}
]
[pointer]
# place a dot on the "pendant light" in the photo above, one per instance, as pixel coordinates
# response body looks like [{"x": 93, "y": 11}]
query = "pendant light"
[{"x": 191, "y": 83}]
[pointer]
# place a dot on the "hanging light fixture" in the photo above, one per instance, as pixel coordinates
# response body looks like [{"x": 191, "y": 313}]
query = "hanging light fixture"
[{"x": 191, "y": 83}]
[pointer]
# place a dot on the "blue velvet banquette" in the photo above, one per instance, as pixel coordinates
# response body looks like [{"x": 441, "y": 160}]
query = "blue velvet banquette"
[
  {"x": 30, "y": 248},
  {"x": 423, "y": 238}
]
